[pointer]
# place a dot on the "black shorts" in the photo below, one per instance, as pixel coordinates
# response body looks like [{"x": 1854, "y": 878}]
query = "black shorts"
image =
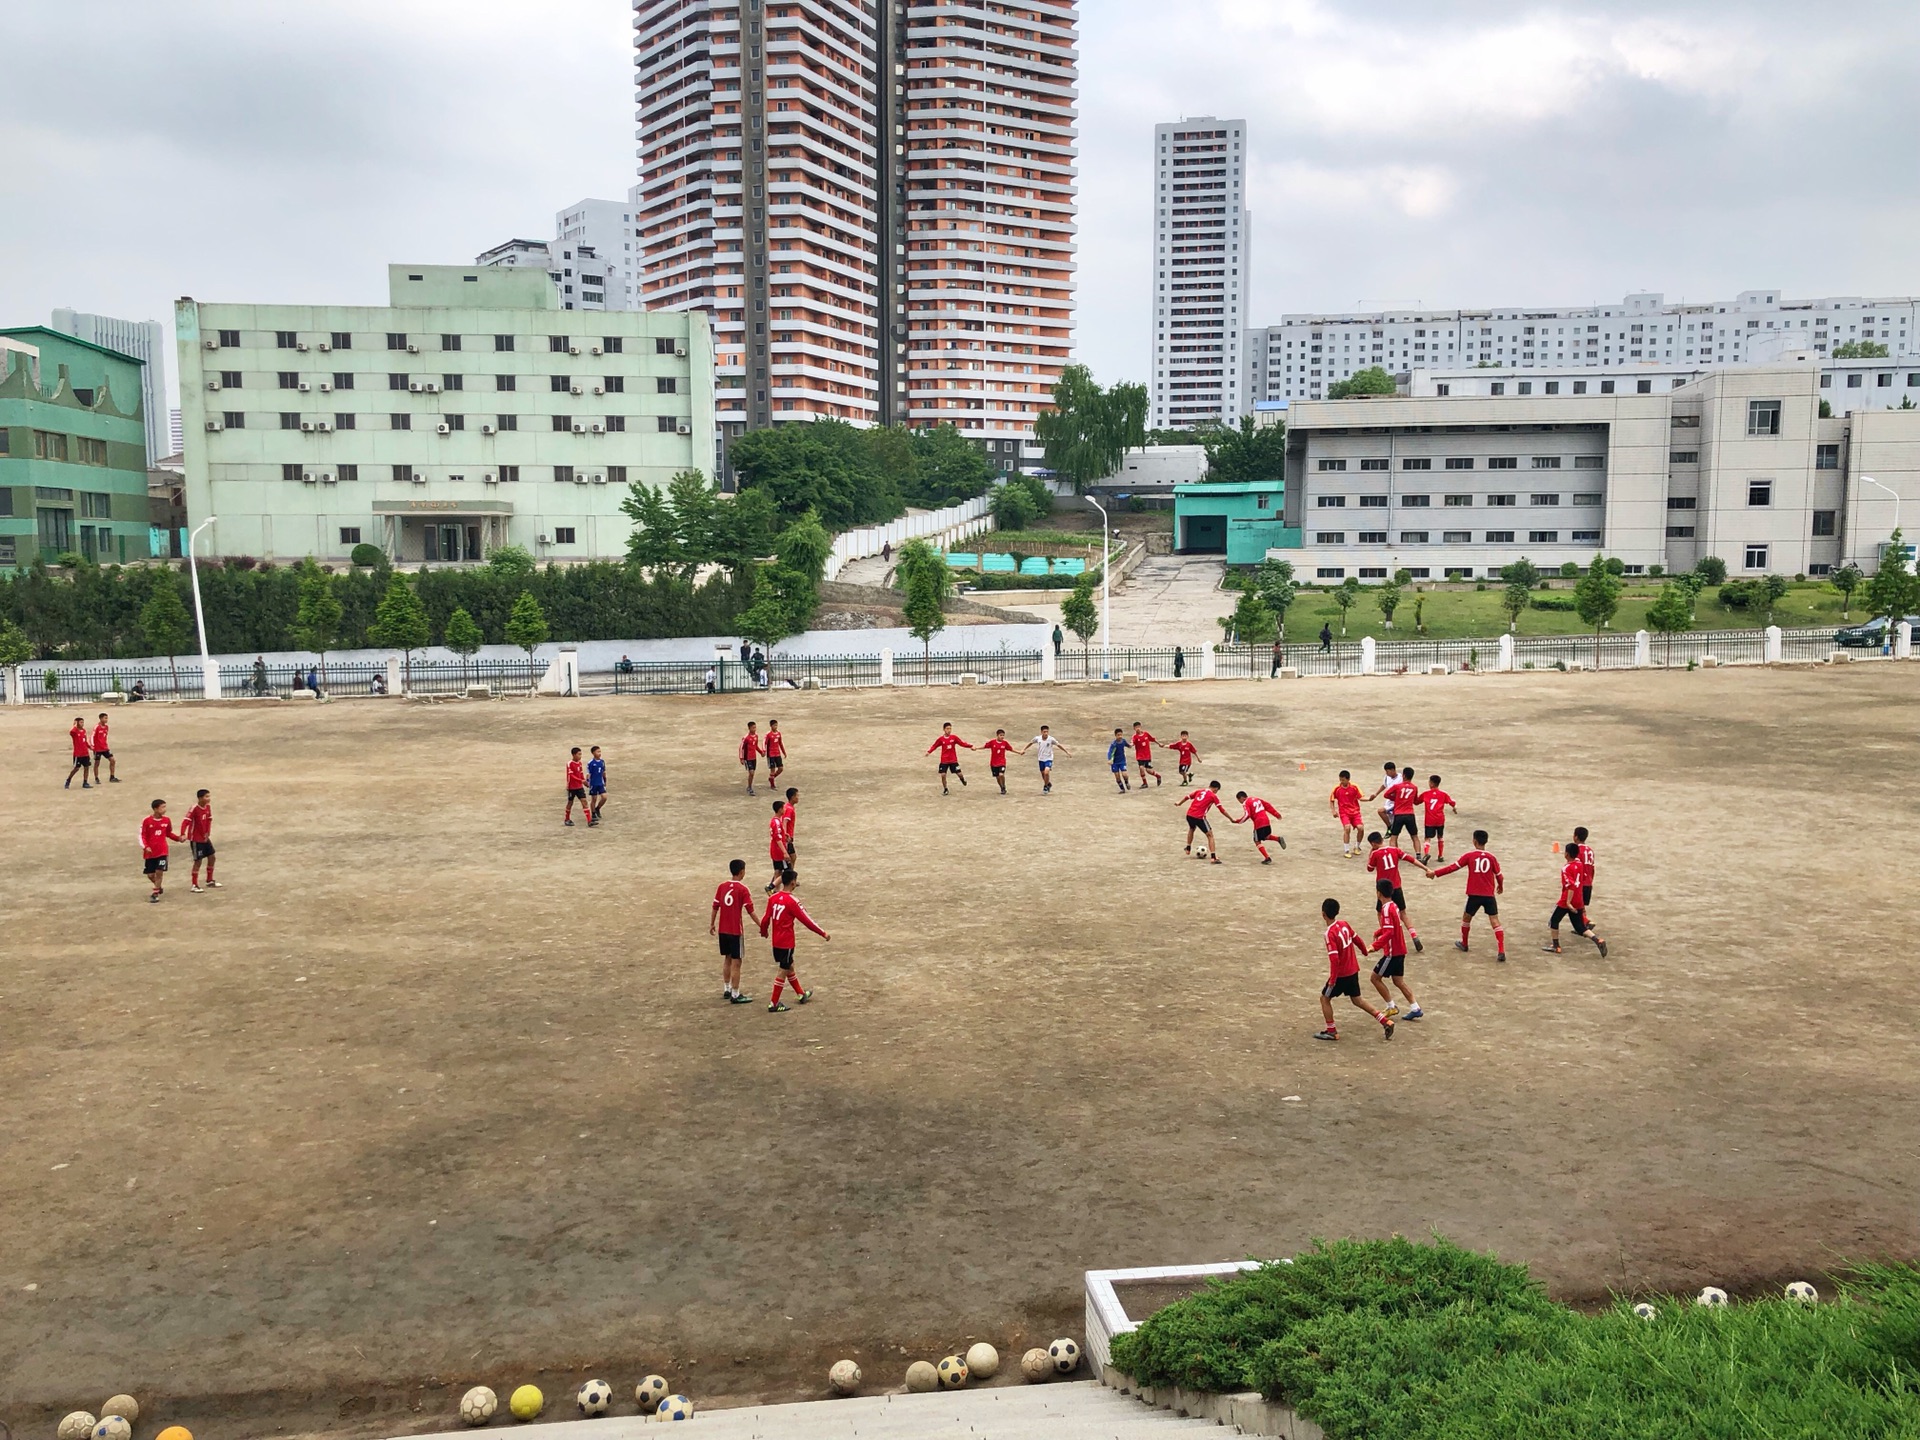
[
  {"x": 1344, "y": 985},
  {"x": 996, "y": 770},
  {"x": 156, "y": 865},
  {"x": 729, "y": 946},
  {"x": 1399, "y": 823},
  {"x": 1578, "y": 917},
  {"x": 776, "y": 763},
  {"x": 1198, "y": 822},
  {"x": 753, "y": 764},
  {"x": 103, "y": 754},
  {"x": 1262, "y": 833},
  {"x": 1142, "y": 763},
  {"x": 1488, "y": 903},
  {"x": 783, "y": 958},
  {"x": 1389, "y": 967},
  {"x": 1399, "y": 898},
  {"x": 576, "y": 794},
  {"x": 202, "y": 849},
  {"x": 1434, "y": 832},
  {"x": 1586, "y": 894},
  {"x": 953, "y": 765}
]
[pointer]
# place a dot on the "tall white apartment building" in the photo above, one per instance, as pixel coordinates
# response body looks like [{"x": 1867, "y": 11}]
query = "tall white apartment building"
[
  {"x": 872, "y": 200},
  {"x": 1200, "y": 273},
  {"x": 142, "y": 340},
  {"x": 1304, "y": 354},
  {"x": 591, "y": 256}
]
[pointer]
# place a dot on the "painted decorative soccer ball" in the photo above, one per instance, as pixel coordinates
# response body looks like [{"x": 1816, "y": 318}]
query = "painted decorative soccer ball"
[
  {"x": 527, "y": 1402},
  {"x": 594, "y": 1398},
  {"x": 113, "y": 1427},
  {"x": 1711, "y": 1295},
  {"x": 922, "y": 1377},
  {"x": 1065, "y": 1355},
  {"x": 649, "y": 1393},
  {"x": 1036, "y": 1364},
  {"x": 479, "y": 1405},
  {"x": 676, "y": 1407},
  {"x": 1803, "y": 1292},
  {"x": 175, "y": 1432},
  {"x": 1645, "y": 1311},
  {"x": 983, "y": 1361},
  {"x": 125, "y": 1406},
  {"x": 77, "y": 1426},
  {"x": 844, "y": 1378},
  {"x": 953, "y": 1372}
]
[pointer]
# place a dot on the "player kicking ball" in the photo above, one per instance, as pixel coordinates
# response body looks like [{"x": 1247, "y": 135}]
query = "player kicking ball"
[
  {"x": 783, "y": 913},
  {"x": 1484, "y": 884},
  {"x": 1263, "y": 817},
  {"x": 1344, "y": 949},
  {"x": 1572, "y": 906},
  {"x": 1391, "y": 939},
  {"x": 732, "y": 906},
  {"x": 949, "y": 745},
  {"x": 1206, "y": 798}
]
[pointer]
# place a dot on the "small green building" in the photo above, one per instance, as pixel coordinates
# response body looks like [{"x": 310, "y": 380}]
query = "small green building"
[
  {"x": 1240, "y": 520},
  {"x": 73, "y": 451}
]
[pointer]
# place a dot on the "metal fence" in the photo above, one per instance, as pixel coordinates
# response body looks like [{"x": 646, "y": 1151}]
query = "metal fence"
[
  {"x": 1149, "y": 662},
  {"x": 352, "y": 678},
  {"x": 994, "y": 667},
  {"x": 453, "y": 677},
  {"x": 831, "y": 672}
]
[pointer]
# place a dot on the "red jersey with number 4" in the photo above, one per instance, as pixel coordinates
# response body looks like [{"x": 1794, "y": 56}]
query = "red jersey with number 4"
[
  {"x": 1143, "y": 744},
  {"x": 78, "y": 734},
  {"x": 1390, "y": 939},
  {"x": 1262, "y": 814},
  {"x": 1570, "y": 883},
  {"x": 749, "y": 748},
  {"x": 776, "y": 745},
  {"x": 1346, "y": 799},
  {"x": 100, "y": 736},
  {"x": 997, "y": 749},
  {"x": 949, "y": 747},
  {"x": 1186, "y": 750},
  {"x": 155, "y": 831},
  {"x": 1435, "y": 802},
  {"x": 576, "y": 775},
  {"x": 199, "y": 826},
  {"x": 730, "y": 902},
  {"x": 1586, "y": 865},
  {"x": 783, "y": 913},
  {"x": 1342, "y": 948},
  {"x": 1483, "y": 872},
  {"x": 1385, "y": 863},
  {"x": 1402, "y": 795},
  {"x": 1201, "y": 801}
]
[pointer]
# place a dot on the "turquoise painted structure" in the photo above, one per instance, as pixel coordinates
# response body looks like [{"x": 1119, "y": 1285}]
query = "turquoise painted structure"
[
  {"x": 73, "y": 451},
  {"x": 1240, "y": 520}
]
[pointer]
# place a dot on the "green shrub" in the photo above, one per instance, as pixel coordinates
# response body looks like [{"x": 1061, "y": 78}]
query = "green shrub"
[
  {"x": 367, "y": 556},
  {"x": 1552, "y": 602}
]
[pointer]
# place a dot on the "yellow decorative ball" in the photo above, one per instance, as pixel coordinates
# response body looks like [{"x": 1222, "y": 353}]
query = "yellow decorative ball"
[
  {"x": 527, "y": 1402},
  {"x": 175, "y": 1432}
]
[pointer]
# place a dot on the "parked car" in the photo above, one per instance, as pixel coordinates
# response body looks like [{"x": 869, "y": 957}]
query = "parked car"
[{"x": 1872, "y": 634}]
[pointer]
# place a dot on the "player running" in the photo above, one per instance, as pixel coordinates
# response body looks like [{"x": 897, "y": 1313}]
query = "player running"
[
  {"x": 1572, "y": 905},
  {"x": 596, "y": 787},
  {"x": 777, "y": 848},
  {"x": 82, "y": 754},
  {"x": 1391, "y": 941},
  {"x": 1206, "y": 798},
  {"x": 997, "y": 749},
  {"x": 1043, "y": 745},
  {"x": 949, "y": 745},
  {"x": 1117, "y": 760},
  {"x": 793, "y": 821},
  {"x": 1344, "y": 949},
  {"x": 576, "y": 788},
  {"x": 783, "y": 912},
  {"x": 750, "y": 753},
  {"x": 1345, "y": 804},
  {"x": 776, "y": 748},
  {"x": 155, "y": 831},
  {"x": 1586, "y": 866},
  {"x": 1484, "y": 885},
  {"x": 1434, "y": 804},
  {"x": 1188, "y": 753},
  {"x": 104, "y": 751},
  {"x": 198, "y": 833},
  {"x": 1143, "y": 744},
  {"x": 730, "y": 902},
  {"x": 1384, "y": 861},
  {"x": 1263, "y": 817}
]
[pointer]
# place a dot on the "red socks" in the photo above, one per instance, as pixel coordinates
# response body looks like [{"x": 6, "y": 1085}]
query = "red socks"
[
  {"x": 1499, "y": 940},
  {"x": 1466, "y": 932}
]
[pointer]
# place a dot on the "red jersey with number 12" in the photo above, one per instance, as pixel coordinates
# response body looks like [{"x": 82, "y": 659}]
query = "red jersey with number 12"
[
  {"x": 1342, "y": 944},
  {"x": 1390, "y": 939}
]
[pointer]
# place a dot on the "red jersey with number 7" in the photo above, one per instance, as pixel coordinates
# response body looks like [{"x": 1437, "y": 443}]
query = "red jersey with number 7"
[
  {"x": 1435, "y": 803},
  {"x": 1483, "y": 872},
  {"x": 783, "y": 912},
  {"x": 1342, "y": 950}
]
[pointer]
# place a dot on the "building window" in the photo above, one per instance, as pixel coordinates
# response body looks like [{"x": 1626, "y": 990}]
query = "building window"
[
  {"x": 1553, "y": 387},
  {"x": 400, "y": 422},
  {"x": 1499, "y": 537},
  {"x": 88, "y": 451},
  {"x": 229, "y": 339},
  {"x": 1679, "y": 532},
  {"x": 1416, "y": 502},
  {"x": 506, "y": 422},
  {"x": 1543, "y": 499},
  {"x": 1823, "y": 522},
  {"x": 1606, "y": 387},
  {"x": 1586, "y": 498},
  {"x": 1373, "y": 574},
  {"x": 1759, "y": 492},
  {"x": 563, "y": 534},
  {"x": 285, "y": 339},
  {"x": 1756, "y": 557},
  {"x": 1826, "y": 457},
  {"x": 1413, "y": 537},
  {"x": 1853, "y": 383},
  {"x": 616, "y": 424},
  {"x": 611, "y": 344},
  {"x": 1579, "y": 387},
  {"x": 396, "y": 342},
  {"x": 341, "y": 340},
  {"x": 616, "y": 474},
  {"x": 1589, "y": 462},
  {"x": 1326, "y": 573},
  {"x": 668, "y": 425},
  {"x": 349, "y": 534},
  {"x": 1459, "y": 462},
  {"x": 229, "y": 379},
  {"x": 1456, "y": 537},
  {"x": 289, "y": 420},
  {"x": 1373, "y": 537},
  {"x": 1331, "y": 502},
  {"x": 663, "y": 345},
  {"x": 343, "y": 380},
  {"x": 1546, "y": 462},
  {"x": 1374, "y": 464},
  {"x": 1883, "y": 380},
  {"x": 1504, "y": 462},
  {"x": 509, "y": 474},
  {"x": 1526, "y": 386},
  {"x": 503, "y": 342},
  {"x": 1820, "y": 568},
  {"x": 557, "y": 384},
  {"x": 1459, "y": 501},
  {"x": 614, "y": 384},
  {"x": 1325, "y": 464},
  {"x": 1683, "y": 457},
  {"x": 1682, "y": 502},
  {"x": 345, "y": 421},
  {"x": 1543, "y": 537},
  {"x": 289, "y": 379},
  {"x": 1416, "y": 462},
  {"x": 505, "y": 382},
  {"x": 292, "y": 472},
  {"x": 557, "y": 344},
  {"x": 454, "y": 422},
  {"x": 1443, "y": 388},
  {"x": 1763, "y": 417},
  {"x": 563, "y": 474},
  {"x": 1498, "y": 387},
  {"x": 449, "y": 342},
  {"x": 1686, "y": 422},
  {"x": 1642, "y": 387},
  {"x": 561, "y": 425},
  {"x": 1373, "y": 502},
  {"x": 1499, "y": 500},
  {"x": 453, "y": 382},
  {"x": 348, "y": 473},
  {"x": 1330, "y": 537},
  {"x": 403, "y": 474},
  {"x": 1586, "y": 537},
  {"x": 233, "y": 419}
]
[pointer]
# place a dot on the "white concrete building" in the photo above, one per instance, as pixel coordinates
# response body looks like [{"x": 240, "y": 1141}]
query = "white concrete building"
[
  {"x": 594, "y": 251},
  {"x": 1846, "y": 385},
  {"x": 143, "y": 340},
  {"x": 1202, "y": 242},
  {"x": 470, "y": 412},
  {"x": 1306, "y": 353}
]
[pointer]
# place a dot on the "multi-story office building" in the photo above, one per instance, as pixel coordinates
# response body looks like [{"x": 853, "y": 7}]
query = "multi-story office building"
[
  {"x": 1304, "y": 354},
  {"x": 1846, "y": 385},
  {"x": 874, "y": 203},
  {"x": 591, "y": 256},
  {"x": 1202, "y": 240},
  {"x": 1737, "y": 463},
  {"x": 470, "y": 412},
  {"x": 73, "y": 450},
  {"x": 145, "y": 341}
]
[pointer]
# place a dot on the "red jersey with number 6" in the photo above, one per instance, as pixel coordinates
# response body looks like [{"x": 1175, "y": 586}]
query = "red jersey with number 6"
[{"x": 730, "y": 902}]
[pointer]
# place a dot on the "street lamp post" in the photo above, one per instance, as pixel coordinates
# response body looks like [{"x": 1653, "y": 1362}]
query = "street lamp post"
[
  {"x": 1892, "y": 493},
  {"x": 1106, "y": 614},
  {"x": 209, "y": 675}
]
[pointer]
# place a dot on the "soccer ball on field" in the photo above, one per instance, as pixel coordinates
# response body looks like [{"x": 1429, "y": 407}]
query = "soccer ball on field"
[
  {"x": 125, "y": 1406},
  {"x": 1711, "y": 1295},
  {"x": 953, "y": 1372},
  {"x": 1803, "y": 1292},
  {"x": 983, "y": 1361},
  {"x": 526, "y": 1403},
  {"x": 1645, "y": 1311},
  {"x": 844, "y": 1377},
  {"x": 676, "y": 1407},
  {"x": 922, "y": 1377},
  {"x": 1065, "y": 1355},
  {"x": 649, "y": 1393},
  {"x": 77, "y": 1426},
  {"x": 594, "y": 1398},
  {"x": 479, "y": 1405},
  {"x": 1036, "y": 1364},
  {"x": 113, "y": 1427}
]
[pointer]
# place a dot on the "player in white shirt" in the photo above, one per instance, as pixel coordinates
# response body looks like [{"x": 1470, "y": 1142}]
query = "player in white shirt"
[{"x": 1043, "y": 745}]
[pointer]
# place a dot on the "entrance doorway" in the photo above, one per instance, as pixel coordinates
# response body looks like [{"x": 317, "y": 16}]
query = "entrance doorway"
[{"x": 450, "y": 542}]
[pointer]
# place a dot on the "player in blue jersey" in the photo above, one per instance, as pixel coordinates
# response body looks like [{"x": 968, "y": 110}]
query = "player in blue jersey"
[{"x": 596, "y": 787}]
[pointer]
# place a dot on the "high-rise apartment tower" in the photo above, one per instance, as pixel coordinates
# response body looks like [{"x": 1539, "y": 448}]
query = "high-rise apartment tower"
[{"x": 1200, "y": 272}]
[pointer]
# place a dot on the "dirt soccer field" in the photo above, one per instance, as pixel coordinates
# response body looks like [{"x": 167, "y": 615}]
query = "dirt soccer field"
[{"x": 435, "y": 1091}]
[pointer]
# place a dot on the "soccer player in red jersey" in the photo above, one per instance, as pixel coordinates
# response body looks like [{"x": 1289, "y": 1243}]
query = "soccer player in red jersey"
[
  {"x": 1345, "y": 803},
  {"x": 104, "y": 751},
  {"x": 776, "y": 748},
  {"x": 750, "y": 753},
  {"x": 1263, "y": 817},
  {"x": 730, "y": 902},
  {"x": 1434, "y": 804},
  {"x": 1391, "y": 941},
  {"x": 576, "y": 787},
  {"x": 1344, "y": 949},
  {"x": 777, "y": 850},
  {"x": 1484, "y": 884},
  {"x": 1384, "y": 861},
  {"x": 1586, "y": 865},
  {"x": 783, "y": 912},
  {"x": 997, "y": 749},
  {"x": 1572, "y": 905},
  {"x": 82, "y": 755},
  {"x": 949, "y": 745},
  {"x": 1403, "y": 795},
  {"x": 1188, "y": 753},
  {"x": 1143, "y": 744},
  {"x": 198, "y": 833},
  {"x": 1206, "y": 798},
  {"x": 793, "y": 821},
  {"x": 155, "y": 831}
]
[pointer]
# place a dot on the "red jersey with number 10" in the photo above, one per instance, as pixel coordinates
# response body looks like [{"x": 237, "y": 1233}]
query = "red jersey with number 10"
[
  {"x": 1342, "y": 945},
  {"x": 155, "y": 831},
  {"x": 731, "y": 901},
  {"x": 1483, "y": 872}
]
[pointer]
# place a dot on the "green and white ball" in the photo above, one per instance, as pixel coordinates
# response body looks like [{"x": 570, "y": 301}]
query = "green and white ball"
[
  {"x": 593, "y": 1399},
  {"x": 953, "y": 1372},
  {"x": 479, "y": 1405},
  {"x": 1065, "y": 1355},
  {"x": 676, "y": 1407}
]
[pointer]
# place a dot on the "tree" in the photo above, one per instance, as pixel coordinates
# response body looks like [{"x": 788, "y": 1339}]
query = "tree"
[
  {"x": 1568, "y": 570},
  {"x": 15, "y": 648},
  {"x": 1013, "y": 508},
  {"x": 1691, "y": 584},
  {"x": 463, "y": 637},
  {"x": 827, "y": 466},
  {"x": 1251, "y": 623},
  {"x": 1089, "y": 430},
  {"x": 367, "y": 557},
  {"x": 1419, "y": 614},
  {"x": 1371, "y": 381},
  {"x": 527, "y": 625},
  {"x": 1078, "y": 612},
  {"x": 783, "y": 601},
  {"x": 1826, "y": 409},
  {"x": 1387, "y": 597},
  {"x": 511, "y": 562},
  {"x": 947, "y": 468},
  {"x": 1597, "y": 597},
  {"x": 316, "y": 624},
  {"x": 1860, "y": 350},
  {"x": 1273, "y": 582},
  {"x": 165, "y": 623},
  {"x": 400, "y": 623},
  {"x": 1522, "y": 572},
  {"x": 1248, "y": 454},
  {"x": 1520, "y": 577},
  {"x": 1670, "y": 614},
  {"x": 1345, "y": 595},
  {"x": 1712, "y": 570},
  {"x": 1773, "y": 589},
  {"x": 1847, "y": 580},
  {"x": 1890, "y": 591}
]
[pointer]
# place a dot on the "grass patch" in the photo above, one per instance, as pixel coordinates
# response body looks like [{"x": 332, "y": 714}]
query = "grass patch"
[{"x": 1433, "y": 1342}]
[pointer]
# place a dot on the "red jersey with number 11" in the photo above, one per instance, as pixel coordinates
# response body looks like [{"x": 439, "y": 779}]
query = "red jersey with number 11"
[{"x": 1385, "y": 863}]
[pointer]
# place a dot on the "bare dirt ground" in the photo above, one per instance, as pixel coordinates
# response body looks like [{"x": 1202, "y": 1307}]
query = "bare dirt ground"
[{"x": 435, "y": 1091}]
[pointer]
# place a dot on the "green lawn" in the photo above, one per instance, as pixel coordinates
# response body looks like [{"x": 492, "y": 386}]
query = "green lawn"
[{"x": 1452, "y": 613}]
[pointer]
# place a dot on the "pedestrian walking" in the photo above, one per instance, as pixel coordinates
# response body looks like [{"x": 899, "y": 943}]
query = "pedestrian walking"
[{"x": 1326, "y": 639}]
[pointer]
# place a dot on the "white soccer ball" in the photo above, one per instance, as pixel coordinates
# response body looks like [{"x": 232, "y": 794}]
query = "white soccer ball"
[
  {"x": 479, "y": 1405},
  {"x": 676, "y": 1407},
  {"x": 77, "y": 1426},
  {"x": 594, "y": 1398},
  {"x": 1803, "y": 1292},
  {"x": 922, "y": 1377},
  {"x": 983, "y": 1361},
  {"x": 1065, "y": 1355},
  {"x": 953, "y": 1372},
  {"x": 844, "y": 1378},
  {"x": 649, "y": 1393},
  {"x": 1711, "y": 1295},
  {"x": 1645, "y": 1311},
  {"x": 1036, "y": 1364},
  {"x": 114, "y": 1427},
  {"x": 124, "y": 1406}
]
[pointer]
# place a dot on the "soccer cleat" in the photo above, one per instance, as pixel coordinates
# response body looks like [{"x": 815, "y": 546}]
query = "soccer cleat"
[
  {"x": 1266, "y": 859},
  {"x": 113, "y": 779},
  {"x": 1603, "y": 948},
  {"x": 1549, "y": 949},
  {"x": 85, "y": 786},
  {"x": 1418, "y": 948},
  {"x": 1283, "y": 841},
  {"x": 154, "y": 898},
  {"x": 804, "y": 996},
  {"x": 1501, "y": 957},
  {"x": 1461, "y": 946},
  {"x": 213, "y": 884},
  {"x": 1392, "y": 1010},
  {"x": 1216, "y": 859},
  {"x": 778, "y": 1008},
  {"x": 1386, "y": 1028},
  {"x": 739, "y": 999},
  {"x": 567, "y": 823},
  {"x": 1415, "y": 1013},
  {"x": 195, "y": 889},
  {"x": 1327, "y": 1034}
]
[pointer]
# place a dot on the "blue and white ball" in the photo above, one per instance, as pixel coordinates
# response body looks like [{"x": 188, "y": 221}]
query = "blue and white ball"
[
  {"x": 113, "y": 1427},
  {"x": 676, "y": 1407}
]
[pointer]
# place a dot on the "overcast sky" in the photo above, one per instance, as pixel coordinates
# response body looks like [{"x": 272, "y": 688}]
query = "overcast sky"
[{"x": 1445, "y": 152}]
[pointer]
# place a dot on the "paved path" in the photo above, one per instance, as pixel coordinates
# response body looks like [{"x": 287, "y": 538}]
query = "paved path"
[
  {"x": 869, "y": 571},
  {"x": 1167, "y": 600}
]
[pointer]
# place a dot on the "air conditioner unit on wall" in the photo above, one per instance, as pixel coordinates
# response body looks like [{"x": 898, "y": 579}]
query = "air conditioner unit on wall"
[
  {"x": 599, "y": 389},
  {"x": 323, "y": 426},
  {"x": 489, "y": 479},
  {"x": 325, "y": 348},
  {"x": 209, "y": 344},
  {"x": 683, "y": 428},
  {"x": 213, "y": 384},
  {"x": 578, "y": 428},
  {"x": 304, "y": 387},
  {"x": 680, "y": 352},
  {"x": 443, "y": 429},
  {"x": 598, "y": 428},
  {"x": 306, "y": 427},
  {"x": 599, "y": 479},
  {"x": 301, "y": 346},
  {"x": 579, "y": 479},
  {"x": 416, "y": 386},
  {"x": 214, "y": 427},
  {"x": 310, "y": 478},
  {"x": 573, "y": 349},
  {"x": 413, "y": 349},
  {"x": 329, "y": 478},
  {"x": 596, "y": 350},
  {"x": 543, "y": 539},
  {"x": 486, "y": 429},
  {"x": 419, "y": 479},
  {"x": 432, "y": 387},
  {"x": 326, "y": 387},
  {"x": 576, "y": 389}
]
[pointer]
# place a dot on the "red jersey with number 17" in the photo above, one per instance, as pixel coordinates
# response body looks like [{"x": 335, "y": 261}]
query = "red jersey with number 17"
[
  {"x": 1483, "y": 872},
  {"x": 731, "y": 901},
  {"x": 1402, "y": 795},
  {"x": 783, "y": 912},
  {"x": 1342, "y": 948}
]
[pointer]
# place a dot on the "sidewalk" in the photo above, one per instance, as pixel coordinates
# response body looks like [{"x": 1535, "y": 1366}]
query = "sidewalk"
[{"x": 1167, "y": 600}]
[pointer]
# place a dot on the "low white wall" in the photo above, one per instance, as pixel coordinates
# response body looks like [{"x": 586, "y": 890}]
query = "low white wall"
[{"x": 956, "y": 522}]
